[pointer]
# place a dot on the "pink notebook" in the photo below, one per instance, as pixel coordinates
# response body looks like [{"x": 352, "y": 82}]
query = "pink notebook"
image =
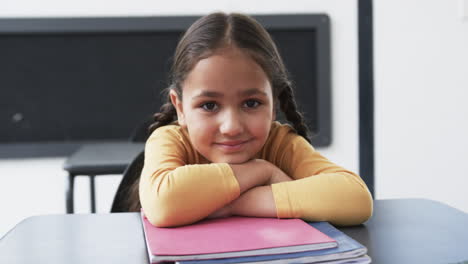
[{"x": 232, "y": 237}]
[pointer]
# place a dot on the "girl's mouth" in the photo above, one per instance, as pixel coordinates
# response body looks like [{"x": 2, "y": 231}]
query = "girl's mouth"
[{"x": 232, "y": 146}]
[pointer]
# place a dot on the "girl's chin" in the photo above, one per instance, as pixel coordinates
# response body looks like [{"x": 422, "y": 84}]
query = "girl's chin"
[{"x": 231, "y": 160}]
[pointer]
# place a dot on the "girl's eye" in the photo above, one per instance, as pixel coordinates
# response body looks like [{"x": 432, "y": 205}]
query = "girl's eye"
[
  {"x": 251, "y": 103},
  {"x": 210, "y": 106}
]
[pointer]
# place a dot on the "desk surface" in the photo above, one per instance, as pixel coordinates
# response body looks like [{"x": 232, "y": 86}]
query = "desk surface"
[{"x": 401, "y": 231}]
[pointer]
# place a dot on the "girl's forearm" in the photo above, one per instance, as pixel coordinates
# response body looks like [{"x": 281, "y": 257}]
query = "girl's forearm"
[
  {"x": 257, "y": 173},
  {"x": 255, "y": 178},
  {"x": 252, "y": 174},
  {"x": 256, "y": 202}
]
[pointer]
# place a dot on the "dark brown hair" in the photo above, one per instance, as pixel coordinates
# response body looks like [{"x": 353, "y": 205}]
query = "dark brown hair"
[{"x": 218, "y": 30}]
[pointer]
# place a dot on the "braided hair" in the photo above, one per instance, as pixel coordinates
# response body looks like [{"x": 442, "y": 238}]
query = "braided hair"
[
  {"x": 289, "y": 108},
  {"x": 215, "y": 31},
  {"x": 166, "y": 115}
]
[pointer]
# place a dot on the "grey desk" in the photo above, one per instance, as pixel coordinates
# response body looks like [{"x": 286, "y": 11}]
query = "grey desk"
[
  {"x": 401, "y": 231},
  {"x": 98, "y": 159}
]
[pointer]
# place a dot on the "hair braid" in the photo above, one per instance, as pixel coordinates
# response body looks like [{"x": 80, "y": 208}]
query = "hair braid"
[
  {"x": 166, "y": 115},
  {"x": 289, "y": 108}
]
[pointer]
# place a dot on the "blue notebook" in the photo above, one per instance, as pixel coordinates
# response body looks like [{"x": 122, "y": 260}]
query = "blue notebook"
[{"x": 348, "y": 251}]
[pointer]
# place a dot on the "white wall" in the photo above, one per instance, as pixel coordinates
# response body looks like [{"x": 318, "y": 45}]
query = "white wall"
[
  {"x": 36, "y": 186},
  {"x": 421, "y": 81}
]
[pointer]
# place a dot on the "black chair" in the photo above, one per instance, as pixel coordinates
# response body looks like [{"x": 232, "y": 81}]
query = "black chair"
[
  {"x": 141, "y": 131},
  {"x": 128, "y": 187}
]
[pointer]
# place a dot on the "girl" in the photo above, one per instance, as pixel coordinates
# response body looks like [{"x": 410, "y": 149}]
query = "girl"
[{"x": 216, "y": 149}]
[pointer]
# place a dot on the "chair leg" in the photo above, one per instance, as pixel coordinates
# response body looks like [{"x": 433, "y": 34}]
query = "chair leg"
[
  {"x": 69, "y": 194},
  {"x": 93, "y": 193}
]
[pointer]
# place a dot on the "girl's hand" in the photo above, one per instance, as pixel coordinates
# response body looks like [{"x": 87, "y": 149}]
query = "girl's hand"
[
  {"x": 253, "y": 173},
  {"x": 277, "y": 175},
  {"x": 257, "y": 201}
]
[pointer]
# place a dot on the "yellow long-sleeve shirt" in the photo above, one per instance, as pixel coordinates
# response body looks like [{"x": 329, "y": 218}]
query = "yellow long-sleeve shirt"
[{"x": 179, "y": 186}]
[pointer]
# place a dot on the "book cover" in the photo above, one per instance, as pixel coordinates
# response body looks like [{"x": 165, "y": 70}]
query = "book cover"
[
  {"x": 348, "y": 251},
  {"x": 232, "y": 237}
]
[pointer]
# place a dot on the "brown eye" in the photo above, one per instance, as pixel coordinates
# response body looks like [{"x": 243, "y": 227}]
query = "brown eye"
[
  {"x": 251, "y": 103},
  {"x": 210, "y": 106}
]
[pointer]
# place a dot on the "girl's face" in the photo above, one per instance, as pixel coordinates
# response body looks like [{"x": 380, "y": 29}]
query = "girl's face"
[{"x": 227, "y": 106}]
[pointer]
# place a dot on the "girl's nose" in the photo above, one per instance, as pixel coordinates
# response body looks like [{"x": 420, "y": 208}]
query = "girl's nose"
[{"x": 231, "y": 124}]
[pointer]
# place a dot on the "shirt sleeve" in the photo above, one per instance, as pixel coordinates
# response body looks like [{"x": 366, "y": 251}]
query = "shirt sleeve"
[
  {"x": 321, "y": 190},
  {"x": 173, "y": 192}
]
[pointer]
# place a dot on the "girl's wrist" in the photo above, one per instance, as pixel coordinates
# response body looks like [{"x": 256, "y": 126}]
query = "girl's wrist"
[
  {"x": 277, "y": 175},
  {"x": 225, "y": 211},
  {"x": 252, "y": 174},
  {"x": 257, "y": 202}
]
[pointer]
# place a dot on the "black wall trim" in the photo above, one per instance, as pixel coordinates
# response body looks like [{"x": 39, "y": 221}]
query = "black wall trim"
[
  {"x": 366, "y": 93},
  {"x": 94, "y": 24}
]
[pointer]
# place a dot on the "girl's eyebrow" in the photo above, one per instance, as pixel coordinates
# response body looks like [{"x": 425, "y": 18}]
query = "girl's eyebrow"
[
  {"x": 253, "y": 91},
  {"x": 248, "y": 92},
  {"x": 208, "y": 94}
]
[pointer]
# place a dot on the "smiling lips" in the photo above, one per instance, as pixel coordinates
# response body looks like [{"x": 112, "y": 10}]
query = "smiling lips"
[{"x": 232, "y": 146}]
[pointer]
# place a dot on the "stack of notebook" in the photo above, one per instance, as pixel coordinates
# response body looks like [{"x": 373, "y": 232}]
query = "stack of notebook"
[{"x": 252, "y": 240}]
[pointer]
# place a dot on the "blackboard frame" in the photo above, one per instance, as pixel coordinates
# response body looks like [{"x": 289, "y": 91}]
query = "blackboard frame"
[{"x": 318, "y": 22}]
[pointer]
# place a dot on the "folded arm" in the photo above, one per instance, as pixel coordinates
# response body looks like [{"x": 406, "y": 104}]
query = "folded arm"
[
  {"x": 173, "y": 193},
  {"x": 320, "y": 191},
  {"x": 257, "y": 201}
]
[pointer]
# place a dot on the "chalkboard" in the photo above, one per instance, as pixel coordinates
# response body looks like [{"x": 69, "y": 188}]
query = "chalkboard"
[{"x": 82, "y": 79}]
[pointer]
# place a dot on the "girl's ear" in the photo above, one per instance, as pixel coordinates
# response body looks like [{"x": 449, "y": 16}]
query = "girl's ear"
[{"x": 177, "y": 103}]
